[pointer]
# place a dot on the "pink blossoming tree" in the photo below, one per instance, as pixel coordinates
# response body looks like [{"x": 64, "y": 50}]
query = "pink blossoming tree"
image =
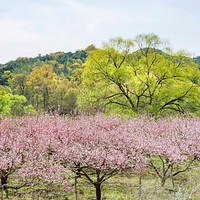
[{"x": 53, "y": 149}]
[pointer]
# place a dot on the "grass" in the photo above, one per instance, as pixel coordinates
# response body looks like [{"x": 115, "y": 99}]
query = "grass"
[{"x": 121, "y": 187}]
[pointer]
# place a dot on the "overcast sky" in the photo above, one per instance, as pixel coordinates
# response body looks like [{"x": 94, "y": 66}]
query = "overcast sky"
[{"x": 30, "y": 27}]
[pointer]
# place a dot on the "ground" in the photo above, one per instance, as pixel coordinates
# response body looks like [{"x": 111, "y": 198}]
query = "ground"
[{"x": 124, "y": 186}]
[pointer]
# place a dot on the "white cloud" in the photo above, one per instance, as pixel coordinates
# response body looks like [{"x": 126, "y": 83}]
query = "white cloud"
[
  {"x": 14, "y": 31},
  {"x": 44, "y": 26}
]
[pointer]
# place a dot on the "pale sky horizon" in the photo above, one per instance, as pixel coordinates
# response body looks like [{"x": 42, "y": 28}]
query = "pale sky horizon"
[{"x": 30, "y": 27}]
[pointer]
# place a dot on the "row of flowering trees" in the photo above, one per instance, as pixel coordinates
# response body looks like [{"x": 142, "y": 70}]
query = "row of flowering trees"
[{"x": 49, "y": 148}]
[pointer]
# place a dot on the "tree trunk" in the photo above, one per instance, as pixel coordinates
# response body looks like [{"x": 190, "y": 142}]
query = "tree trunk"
[
  {"x": 75, "y": 189},
  {"x": 4, "y": 180},
  {"x": 140, "y": 186},
  {"x": 1, "y": 193},
  {"x": 172, "y": 177},
  {"x": 98, "y": 191},
  {"x": 163, "y": 180}
]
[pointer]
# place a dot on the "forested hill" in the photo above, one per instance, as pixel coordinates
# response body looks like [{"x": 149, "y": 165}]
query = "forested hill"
[
  {"x": 60, "y": 61},
  {"x": 59, "y": 82}
]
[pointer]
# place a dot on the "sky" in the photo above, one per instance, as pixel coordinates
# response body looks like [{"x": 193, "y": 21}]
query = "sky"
[{"x": 32, "y": 27}]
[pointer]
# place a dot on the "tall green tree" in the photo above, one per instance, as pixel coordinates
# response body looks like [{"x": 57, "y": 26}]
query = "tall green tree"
[
  {"x": 146, "y": 80},
  {"x": 41, "y": 83}
]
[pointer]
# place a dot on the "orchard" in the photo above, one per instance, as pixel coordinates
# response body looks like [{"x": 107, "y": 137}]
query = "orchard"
[{"x": 54, "y": 149}]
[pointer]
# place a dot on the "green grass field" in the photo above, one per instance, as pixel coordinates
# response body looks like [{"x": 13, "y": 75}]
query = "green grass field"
[{"x": 124, "y": 186}]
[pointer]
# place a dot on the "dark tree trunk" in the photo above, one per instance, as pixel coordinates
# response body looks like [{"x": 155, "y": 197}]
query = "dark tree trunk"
[
  {"x": 4, "y": 180},
  {"x": 98, "y": 191}
]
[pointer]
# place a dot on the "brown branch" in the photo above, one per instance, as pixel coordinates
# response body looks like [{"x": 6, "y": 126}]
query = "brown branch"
[
  {"x": 176, "y": 99},
  {"x": 85, "y": 174},
  {"x": 155, "y": 169},
  {"x": 126, "y": 95},
  {"x": 16, "y": 187},
  {"x": 111, "y": 96},
  {"x": 180, "y": 171},
  {"x": 118, "y": 103},
  {"x": 108, "y": 175}
]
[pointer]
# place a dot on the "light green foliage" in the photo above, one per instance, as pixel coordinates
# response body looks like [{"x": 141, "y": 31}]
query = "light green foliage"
[
  {"x": 29, "y": 110},
  {"x": 17, "y": 104},
  {"x": 146, "y": 80},
  {"x": 11, "y": 104}
]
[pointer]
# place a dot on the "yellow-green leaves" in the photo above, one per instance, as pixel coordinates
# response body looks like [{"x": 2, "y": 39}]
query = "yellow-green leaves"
[{"x": 147, "y": 80}]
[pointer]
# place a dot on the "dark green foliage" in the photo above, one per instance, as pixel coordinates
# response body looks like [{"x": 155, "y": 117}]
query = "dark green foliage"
[
  {"x": 62, "y": 57},
  {"x": 62, "y": 63},
  {"x": 21, "y": 65},
  {"x": 197, "y": 60}
]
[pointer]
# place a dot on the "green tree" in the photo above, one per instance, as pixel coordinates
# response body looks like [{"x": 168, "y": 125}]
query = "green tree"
[
  {"x": 11, "y": 104},
  {"x": 90, "y": 47},
  {"x": 18, "y": 83},
  {"x": 65, "y": 95},
  {"x": 146, "y": 80},
  {"x": 41, "y": 83},
  {"x": 51, "y": 92}
]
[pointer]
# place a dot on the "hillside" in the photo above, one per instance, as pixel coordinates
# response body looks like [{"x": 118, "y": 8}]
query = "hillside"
[
  {"x": 62, "y": 63},
  {"x": 53, "y": 82}
]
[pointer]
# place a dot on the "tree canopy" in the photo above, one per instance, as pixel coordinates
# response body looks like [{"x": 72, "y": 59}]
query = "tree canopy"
[{"x": 145, "y": 80}]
